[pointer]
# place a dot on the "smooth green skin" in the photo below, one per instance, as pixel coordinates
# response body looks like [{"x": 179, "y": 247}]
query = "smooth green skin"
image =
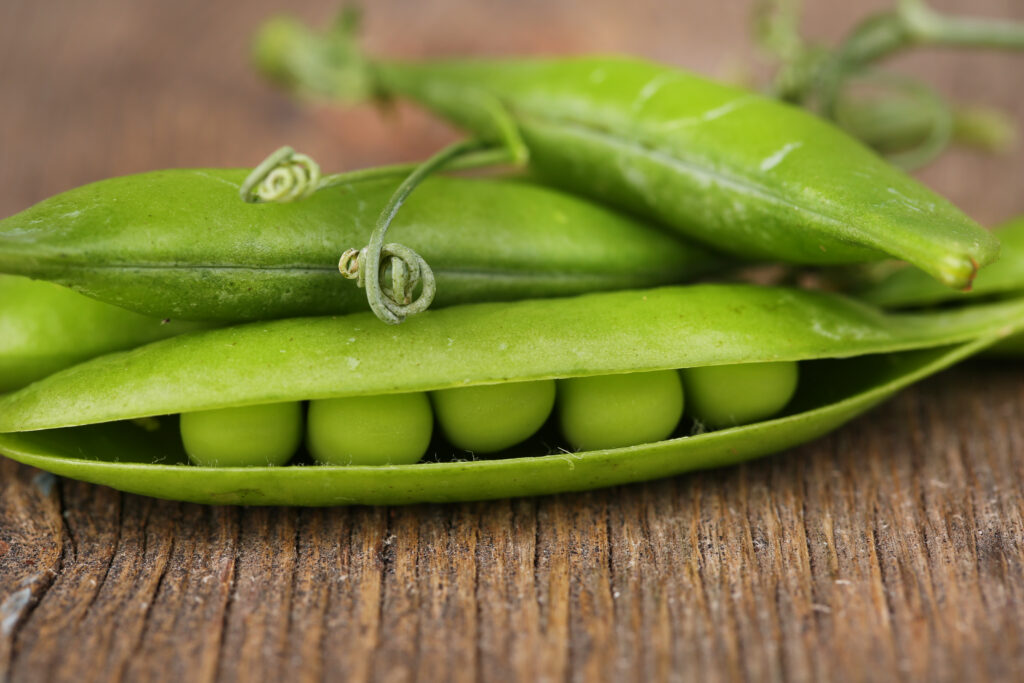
[
  {"x": 123, "y": 456},
  {"x": 907, "y": 288},
  {"x": 616, "y": 411},
  {"x": 182, "y": 244},
  {"x": 45, "y": 328},
  {"x": 393, "y": 429},
  {"x": 731, "y": 395},
  {"x": 248, "y": 436},
  {"x": 744, "y": 173},
  {"x": 493, "y": 417},
  {"x": 747, "y": 174},
  {"x": 476, "y": 344}
]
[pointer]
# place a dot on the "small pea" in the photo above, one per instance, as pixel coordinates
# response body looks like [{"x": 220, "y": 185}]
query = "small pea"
[
  {"x": 391, "y": 429},
  {"x": 490, "y": 418},
  {"x": 731, "y": 395},
  {"x": 248, "y": 436},
  {"x": 614, "y": 411}
]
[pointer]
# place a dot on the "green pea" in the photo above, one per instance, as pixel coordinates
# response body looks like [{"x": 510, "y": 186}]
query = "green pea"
[
  {"x": 389, "y": 429},
  {"x": 731, "y": 395},
  {"x": 613, "y": 411},
  {"x": 248, "y": 436},
  {"x": 489, "y": 418}
]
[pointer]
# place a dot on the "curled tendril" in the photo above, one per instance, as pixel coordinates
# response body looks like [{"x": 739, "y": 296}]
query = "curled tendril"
[
  {"x": 283, "y": 176},
  {"x": 393, "y": 301},
  {"x": 408, "y": 269}
]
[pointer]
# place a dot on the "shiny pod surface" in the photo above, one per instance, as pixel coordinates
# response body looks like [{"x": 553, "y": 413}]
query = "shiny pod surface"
[
  {"x": 475, "y": 345},
  {"x": 725, "y": 166},
  {"x": 45, "y": 327},
  {"x": 181, "y": 244},
  {"x": 730, "y": 168}
]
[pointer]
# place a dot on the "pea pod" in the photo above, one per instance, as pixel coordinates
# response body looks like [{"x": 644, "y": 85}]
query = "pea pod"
[
  {"x": 747, "y": 174},
  {"x": 45, "y": 328},
  {"x": 181, "y": 244},
  {"x": 854, "y": 356},
  {"x": 905, "y": 288}
]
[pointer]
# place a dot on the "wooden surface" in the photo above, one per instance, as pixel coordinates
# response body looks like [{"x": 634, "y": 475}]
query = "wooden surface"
[{"x": 891, "y": 549}]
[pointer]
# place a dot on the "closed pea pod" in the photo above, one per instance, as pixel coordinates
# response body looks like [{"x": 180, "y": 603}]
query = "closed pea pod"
[
  {"x": 181, "y": 244},
  {"x": 744, "y": 173},
  {"x": 45, "y": 328},
  {"x": 477, "y": 345}
]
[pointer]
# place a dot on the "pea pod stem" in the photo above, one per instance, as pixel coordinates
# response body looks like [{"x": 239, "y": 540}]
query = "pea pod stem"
[
  {"x": 927, "y": 123},
  {"x": 912, "y": 24},
  {"x": 925, "y": 26}
]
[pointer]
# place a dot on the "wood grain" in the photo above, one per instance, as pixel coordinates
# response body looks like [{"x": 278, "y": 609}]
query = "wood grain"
[{"x": 892, "y": 549}]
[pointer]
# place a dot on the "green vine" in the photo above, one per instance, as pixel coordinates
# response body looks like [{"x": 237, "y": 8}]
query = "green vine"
[{"x": 902, "y": 117}]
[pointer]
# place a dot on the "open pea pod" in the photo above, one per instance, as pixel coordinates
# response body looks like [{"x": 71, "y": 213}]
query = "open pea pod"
[
  {"x": 45, "y": 328},
  {"x": 855, "y": 357},
  {"x": 727, "y": 167},
  {"x": 182, "y": 244}
]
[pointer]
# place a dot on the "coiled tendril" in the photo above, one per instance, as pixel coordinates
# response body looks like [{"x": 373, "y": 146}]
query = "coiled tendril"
[
  {"x": 283, "y": 176},
  {"x": 408, "y": 270}
]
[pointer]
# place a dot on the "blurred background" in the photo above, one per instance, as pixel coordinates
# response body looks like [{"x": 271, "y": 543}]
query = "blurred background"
[{"x": 108, "y": 87}]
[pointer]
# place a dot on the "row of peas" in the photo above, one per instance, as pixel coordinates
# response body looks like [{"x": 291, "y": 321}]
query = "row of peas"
[{"x": 600, "y": 412}]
